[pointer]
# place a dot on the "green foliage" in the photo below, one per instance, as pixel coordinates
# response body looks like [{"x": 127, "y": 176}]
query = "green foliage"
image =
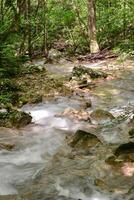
[{"x": 52, "y": 21}]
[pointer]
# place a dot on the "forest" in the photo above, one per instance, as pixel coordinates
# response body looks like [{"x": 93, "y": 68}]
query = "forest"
[{"x": 66, "y": 99}]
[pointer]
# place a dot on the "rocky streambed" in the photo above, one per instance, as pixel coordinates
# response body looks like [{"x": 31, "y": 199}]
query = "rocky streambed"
[{"x": 78, "y": 147}]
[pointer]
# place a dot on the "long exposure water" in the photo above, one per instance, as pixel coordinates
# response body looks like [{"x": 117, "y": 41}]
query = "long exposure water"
[{"x": 41, "y": 165}]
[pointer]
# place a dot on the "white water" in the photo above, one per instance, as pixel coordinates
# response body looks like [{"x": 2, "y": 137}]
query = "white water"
[{"x": 37, "y": 143}]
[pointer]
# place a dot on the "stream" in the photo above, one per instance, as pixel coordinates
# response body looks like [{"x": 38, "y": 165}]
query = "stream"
[{"x": 43, "y": 167}]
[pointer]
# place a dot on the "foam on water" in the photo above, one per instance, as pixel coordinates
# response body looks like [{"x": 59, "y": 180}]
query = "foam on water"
[{"x": 35, "y": 145}]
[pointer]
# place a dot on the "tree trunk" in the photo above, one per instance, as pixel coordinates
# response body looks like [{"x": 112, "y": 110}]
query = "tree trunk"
[
  {"x": 45, "y": 33},
  {"x": 29, "y": 28},
  {"x": 94, "y": 47}
]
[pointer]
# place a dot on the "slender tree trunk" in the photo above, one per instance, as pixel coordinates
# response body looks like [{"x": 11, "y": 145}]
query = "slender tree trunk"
[
  {"x": 124, "y": 19},
  {"x": 29, "y": 28},
  {"x": 44, "y": 45},
  {"x": 94, "y": 47}
]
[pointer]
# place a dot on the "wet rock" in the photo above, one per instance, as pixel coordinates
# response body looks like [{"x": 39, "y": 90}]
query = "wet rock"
[
  {"x": 7, "y": 146},
  {"x": 78, "y": 71},
  {"x": 100, "y": 115},
  {"x": 131, "y": 133},
  {"x": 125, "y": 152},
  {"x": 100, "y": 183},
  {"x": 125, "y": 149},
  {"x": 131, "y": 122},
  {"x": 112, "y": 160},
  {"x": 14, "y": 118},
  {"x": 87, "y": 104},
  {"x": 54, "y": 54},
  {"x": 75, "y": 114},
  {"x": 83, "y": 139}
]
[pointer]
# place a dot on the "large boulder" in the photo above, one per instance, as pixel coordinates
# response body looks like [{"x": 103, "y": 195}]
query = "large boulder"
[
  {"x": 14, "y": 118},
  {"x": 83, "y": 139},
  {"x": 101, "y": 116}
]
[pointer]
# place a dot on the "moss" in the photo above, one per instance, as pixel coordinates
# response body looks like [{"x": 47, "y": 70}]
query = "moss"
[
  {"x": 14, "y": 118},
  {"x": 101, "y": 114},
  {"x": 78, "y": 71},
  {"x": 83, "y": 139}
]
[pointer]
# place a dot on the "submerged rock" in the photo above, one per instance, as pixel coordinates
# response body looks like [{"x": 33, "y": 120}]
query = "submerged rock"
[
  {"x": 87, "y": 104},
  {"x": 75, "y": 114},
  {"x": 14, "y": 118},
  {"x": 83, "y": 139},
  {"x": 131, "y": 133},
  {"x": 7, "y": 146},
  {"x": 78, "y": 71},
  {"x": 100, "y": 115}
]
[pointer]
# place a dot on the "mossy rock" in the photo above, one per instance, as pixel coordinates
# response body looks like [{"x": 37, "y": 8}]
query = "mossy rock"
[
  {"x": 100, "y": 115},
  {"x": 32, "y": 69},
  {"x": 78, "y": 71},
  {"x": 83, "y": 139},
  {"x": 14, "y": 118}
]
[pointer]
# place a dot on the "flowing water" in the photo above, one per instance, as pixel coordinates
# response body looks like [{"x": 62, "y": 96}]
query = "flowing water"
[{"x": 43, "y": 167}]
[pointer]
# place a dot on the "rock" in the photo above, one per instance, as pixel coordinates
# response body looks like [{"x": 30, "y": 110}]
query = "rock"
[
  {"x": 125, "y": 149},
  {"x": 54, "y": 54},
  {"x": 78, "y": 71},
  {"x": 100, "y": 183},
  {"x": 20, "y": 119},
  {"x": 14, "y": 118},
  {"x": 81, "y": 83},
  {"x": 131, "y": 122},
  {"x": 125, "y": 152},
  {"x": 101, "y": 116},
  {"x": 36, "y": 99},
  {"x": 83, "y": 139},
  {"x": 111, "y": 160},
  {"x": 75, "y": 114},
  {"x": 6, "y": 146},
  {"x": 33, "y": 69},
  {"x": 131, "y": 133},
  {"x": 87, "y": 104}
]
